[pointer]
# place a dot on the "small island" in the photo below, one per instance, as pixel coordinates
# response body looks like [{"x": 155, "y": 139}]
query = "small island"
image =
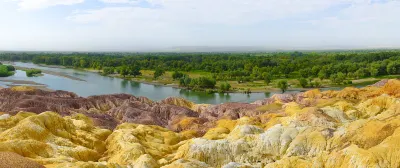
[
  {"x": 6, "y": 70},
  {"x": 33, "y": 72}
]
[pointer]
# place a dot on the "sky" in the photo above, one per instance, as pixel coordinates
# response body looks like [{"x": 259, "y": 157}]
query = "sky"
[{"x": 158, "y": 25}]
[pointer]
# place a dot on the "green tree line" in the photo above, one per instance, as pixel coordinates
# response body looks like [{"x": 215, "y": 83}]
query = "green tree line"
[{"x": 241, "y": 67}]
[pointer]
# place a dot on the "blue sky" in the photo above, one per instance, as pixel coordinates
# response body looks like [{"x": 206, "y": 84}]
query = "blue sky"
[{"x": 144, "y": 25}]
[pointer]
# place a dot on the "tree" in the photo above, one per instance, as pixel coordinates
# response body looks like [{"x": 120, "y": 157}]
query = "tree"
[
  {"x": 204, "y": 82},
  {"x": 177, "y": 75},
  {"x": 228, "y": 86},
  {"x": 351, "y": 75},
  {"x": 123, "y": 71},
  {"x": 82, "y": 63},
  {"x": 283, "y": 85},
  {"x": 134, "y": 71},
  {"x": 248, "y": 67},
  {"x": 256, "y": 71},
  {"x": 286, "y": 70},
  {"x": 393, "y": 68},
  {"x": 315, "y": 70},
  {"x": 316, "y": 84},
  {"x": 373, "y": 71},
  {"x": 323, "y": 74},
  {"x": 159, "y": 72},
  {"x": 224, "y": 87},
  {"x": 303, "y": 82},
  {"x": 247, "y": 91},
  {"x": 108, "y": 70},
  {"x": 305, "y": 73},
  {"x": 338, "y": 78},
  {"x": 185, "y": 81},
  {"x": 267, "y": 78},
  {"x": 360, "y": 73}
]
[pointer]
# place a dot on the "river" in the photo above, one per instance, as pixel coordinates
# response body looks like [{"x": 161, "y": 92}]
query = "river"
[{"x": 96, "y": 84}]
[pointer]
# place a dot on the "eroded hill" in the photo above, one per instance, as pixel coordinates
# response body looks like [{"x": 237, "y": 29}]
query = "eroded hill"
[{"x": 348, "y": 128}]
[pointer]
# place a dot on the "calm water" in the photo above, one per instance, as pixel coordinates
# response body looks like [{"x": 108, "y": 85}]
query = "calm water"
[{"x": 96, "y": 84}]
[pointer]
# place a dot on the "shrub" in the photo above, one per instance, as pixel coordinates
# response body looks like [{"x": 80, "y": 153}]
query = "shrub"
[
  {"x": 33, "y": 72},
  {"x": 224, "y": 87},
  {"x": 4, "y": 72},
  {"x": 108, "y": 70},
  {"x": 177, "y": 75},
  {"x": 303, "y": 82},
  {"x": 10, "y": 68}
]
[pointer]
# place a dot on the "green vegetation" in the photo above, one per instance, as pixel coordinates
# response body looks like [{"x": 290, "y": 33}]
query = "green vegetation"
[
  {"x": 243, "y": 71},
  {"x": 132, "y": 70},
  {"x": 33, "y": 72},
  {"x": 10, "y": 68},
  {"x": 224, "y": 87},
  {"x": 159, "y": 72},
  {"x": 6, "y": 70},
  {"x": 108, "y": 70},
  {"x": 303, "y": 82},
  {"x": 338, "y": 78},
  {"x": 135, "y": 71},
  {"x": 177, "y": 75},
  {"x": 283, "y": 85},
  {"x": 393, "y": 67},
  {"x": 267, "y": 78},
  {"x": 201, "y": 83},
  {"x": 316, "y": 84},
  {"x": 185, "y": 81}
]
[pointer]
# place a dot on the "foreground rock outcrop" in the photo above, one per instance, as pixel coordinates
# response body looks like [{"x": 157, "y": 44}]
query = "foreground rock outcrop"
[
  {"x": 10, "y": 159},
  {"x": 107, "y": 111},
  {"x": 348, "y": 128}
]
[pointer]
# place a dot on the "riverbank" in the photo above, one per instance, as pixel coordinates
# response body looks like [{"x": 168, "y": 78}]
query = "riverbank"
[
  {"x": 20, "y": 82},
  {"x": 12, "y": 83},
  {"x": 254, "y": 86},
  {"x": 103, "y": 85},
  {"x": 51, "y": 73}
]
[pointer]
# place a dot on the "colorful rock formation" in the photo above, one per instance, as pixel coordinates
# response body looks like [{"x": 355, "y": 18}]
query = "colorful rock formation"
[{"x": 348, "y": 128}]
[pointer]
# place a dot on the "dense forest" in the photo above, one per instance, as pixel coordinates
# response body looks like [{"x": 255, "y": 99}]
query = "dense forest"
[{"x": 241, "y": 67}]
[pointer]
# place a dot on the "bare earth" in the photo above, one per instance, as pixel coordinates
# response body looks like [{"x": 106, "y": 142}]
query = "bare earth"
[
  {"x": 26, "y": 83},
  {"x": 21, "y": 82},
  {"x": 53, "y": 73}
]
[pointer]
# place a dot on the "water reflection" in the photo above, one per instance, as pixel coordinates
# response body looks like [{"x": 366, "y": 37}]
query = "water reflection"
[
  {"x": 135, "y": 85},
  {"x": 158, "y": 88},
  {"x": 124, "y": 84},
  {"x": 79, "y": 74},
  {"x": 197, "y": 96},
  {"x": 96, "y": 84},
  {"x": 225, "y": 96}
]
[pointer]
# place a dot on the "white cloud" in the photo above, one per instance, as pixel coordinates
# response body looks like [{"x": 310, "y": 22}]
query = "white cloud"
[
  {"x": 251, "y": 22},
  {"x": 364, "y": 16},
  {"x": 207, "y": 11},
  {"x": 135, "y": 24},
  {"x": 38, "y": 4},
  {"x": 121, "y": 1},
  {"x": 368, "y": 24}
]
